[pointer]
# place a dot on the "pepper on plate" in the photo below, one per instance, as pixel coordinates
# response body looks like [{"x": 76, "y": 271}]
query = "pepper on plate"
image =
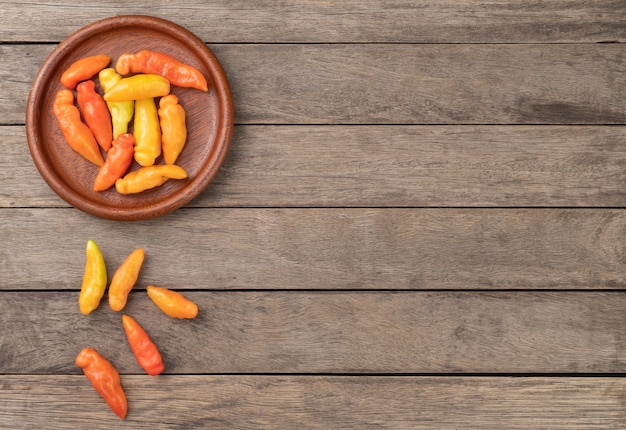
[
  {"x": 137, "y": 87},
  {"x": 84, "y": 69},
  {"x": 95, "y": 113},
  {"x": 77, "y": 134},
  {"x": 121, "y": 112},
  {"x": 151, "y": 62},
  {"x": 147, "y": 131},
  {"x": 173, "y": 127},
  {"x": 117, "y": 162},
  {"x": 149, "y": 177}
]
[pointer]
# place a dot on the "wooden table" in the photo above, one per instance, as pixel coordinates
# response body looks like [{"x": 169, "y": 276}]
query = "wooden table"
[{"x": 420, "y": 224}]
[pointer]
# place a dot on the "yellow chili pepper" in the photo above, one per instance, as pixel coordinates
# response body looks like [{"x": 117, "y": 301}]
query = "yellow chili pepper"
[
  {"x": 124, "y": 279},
  {"x": 137, "y": 87},
  {"x": 94, "y": 279},
  {"x": 121, "y": 112},
  {"x": 149, "y": 177},
  {"x": 147, "y": 132},
  {"x": 173, "y": 128}
]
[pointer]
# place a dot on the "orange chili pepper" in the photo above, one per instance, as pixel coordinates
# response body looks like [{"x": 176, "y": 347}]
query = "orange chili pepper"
[
  {"x": 145, "y": 351},
  {"x": 173, "y": 128},
  {"x": 76, "y": 133},
  {"x": 178, "y": 73},
  {"x": 173, "y": 303},
  {"x": 96, "y": 113},
  {"x": 84, "y": 69},
  {"x": 117, "y": 162},
  {"x": 104, "y": 378},
  {"x": 124, "y": 279}
]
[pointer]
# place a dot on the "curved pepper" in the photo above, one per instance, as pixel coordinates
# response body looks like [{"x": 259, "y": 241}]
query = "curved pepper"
[
  {"x": 94, "y": 279},
  {"x": 173, "y": 128},
  {"x": 96, "y": 113},
  {"x": 147, "y": 132},
  {"x": 104, "y": 378},
  {"x": 178, "y": 73},
  {"x": 172, "y": 303},
  {"x": 137, "y": 87},
  {"x": 76, "y": 133},
  {"x": 117, "y": 162},
  {"x": 145, "y": 351},
  {"x": 124, "y": 279},
  {"x": 121, "y": 112},
  {"x": 149, "y": 177},
  {"x": 84, "y": 69}
]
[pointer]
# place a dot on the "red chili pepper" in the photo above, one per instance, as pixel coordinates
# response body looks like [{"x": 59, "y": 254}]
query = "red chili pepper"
[
  {"x": 104, "y": 378},
  {"x": 76, "y": 133},
  {"x": 146, "y": 352},
  {"x": 178, "y": 73},
  {"x": 84, "y": 69},
  {"x": 117, "y": 162},
  {"x": 96, "y": 113}
]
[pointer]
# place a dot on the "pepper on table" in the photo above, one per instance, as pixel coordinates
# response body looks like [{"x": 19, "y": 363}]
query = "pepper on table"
[
  {"x": 172, "y": 303},
  {"x": 105, "y": 379},
  {"x": 145, "y": 351},
  {"x": 124, "y": 279},
  {"x": 94, "y": 279},
  {"x": 76, "y": 133}
]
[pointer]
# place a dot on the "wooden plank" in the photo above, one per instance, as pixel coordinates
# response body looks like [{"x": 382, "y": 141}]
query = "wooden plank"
[
  {"x": 329, "y": 332},
  {"x": 319, "y": 402},
  {"x": 336, "y": 249},
  {"x": 397, "y": 84},
  {"x": 387, "y": 166},
  {"x": 419, "y": 21}
]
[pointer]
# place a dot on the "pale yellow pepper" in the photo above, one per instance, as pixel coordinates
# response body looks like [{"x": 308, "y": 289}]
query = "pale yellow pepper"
[
  {"x": 147, "y": 132},
  {"x": 94, "y": 279},
  {"x": 121, "y": 112}
]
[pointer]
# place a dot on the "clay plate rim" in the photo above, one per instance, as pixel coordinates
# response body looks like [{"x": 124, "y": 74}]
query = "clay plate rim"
[{"x": 204, "y": 158}]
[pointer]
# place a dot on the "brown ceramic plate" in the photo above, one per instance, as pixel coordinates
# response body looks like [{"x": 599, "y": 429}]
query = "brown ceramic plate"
[{"x": 210, "y": 118}]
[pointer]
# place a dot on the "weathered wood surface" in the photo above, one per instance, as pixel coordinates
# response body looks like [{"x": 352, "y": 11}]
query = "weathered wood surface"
[
  {"x": 319, "y": 402},
  {"x": 371, "y": 21},
  {"x": 330, "y": 333},
  {"x": 395, "y": 84},
  {"x": 422, "y": 200},
  {"x": 387, "y": 166},
  {"x": 326, "y": 248}
]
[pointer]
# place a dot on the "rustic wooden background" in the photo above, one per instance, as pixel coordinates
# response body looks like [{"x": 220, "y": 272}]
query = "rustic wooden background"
[{"x": 420, "y": 224}]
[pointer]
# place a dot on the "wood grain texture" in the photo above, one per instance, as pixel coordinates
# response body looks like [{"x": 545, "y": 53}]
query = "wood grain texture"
[
  {"x": 321, "y": 402},
  {"x": 329, "y": 333},
  {"x": 302, "y": 21},
  {"x": 325, "y": 248},
  {"x": 398, "y": 84},
  {"x": 387, "y": 166}
]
